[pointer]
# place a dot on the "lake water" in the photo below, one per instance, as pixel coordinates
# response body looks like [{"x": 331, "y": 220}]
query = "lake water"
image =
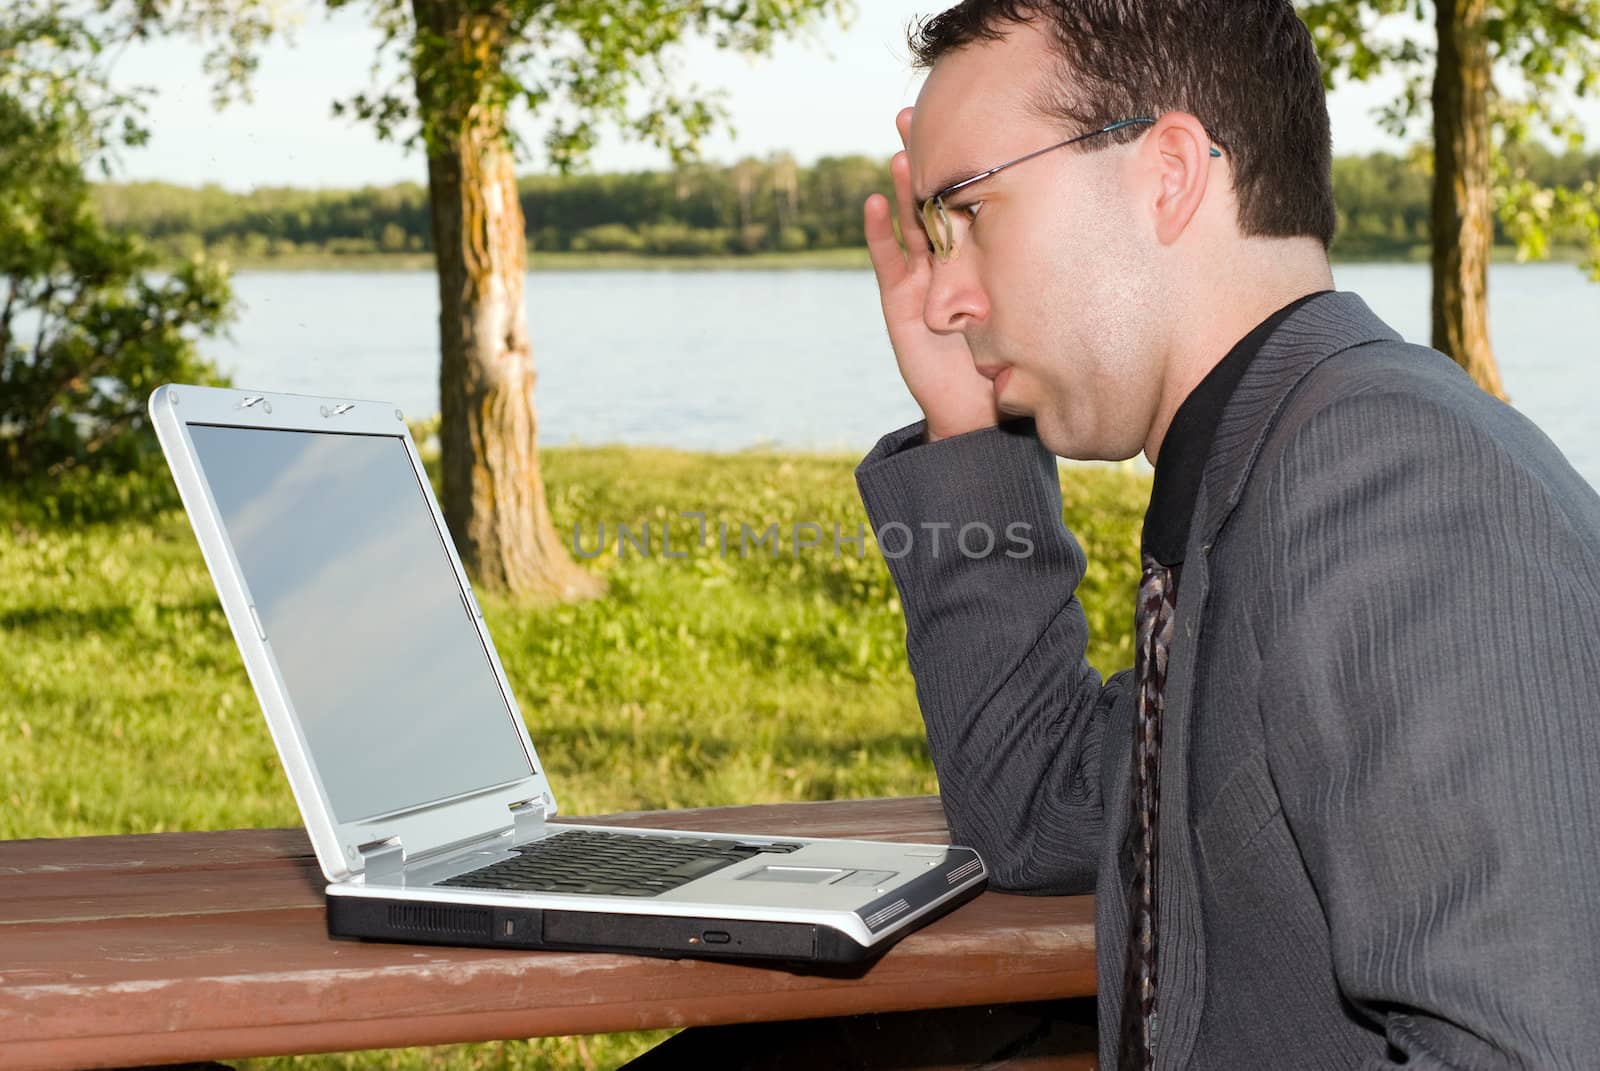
[{"x": 729, "y": 360}]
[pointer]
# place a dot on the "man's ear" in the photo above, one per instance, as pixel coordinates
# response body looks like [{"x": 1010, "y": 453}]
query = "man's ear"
[{"x": 1182, "y": 160}]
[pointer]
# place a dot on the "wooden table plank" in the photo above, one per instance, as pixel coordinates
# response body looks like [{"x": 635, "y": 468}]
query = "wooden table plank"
[{"x": 186, "y": 946}]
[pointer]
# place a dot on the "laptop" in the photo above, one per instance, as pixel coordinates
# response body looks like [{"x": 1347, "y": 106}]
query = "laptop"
[{"x": 424, "y": 798}]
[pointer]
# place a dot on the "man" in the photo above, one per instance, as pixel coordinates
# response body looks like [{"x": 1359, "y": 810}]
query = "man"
[{"x": 1344, "y": 812}]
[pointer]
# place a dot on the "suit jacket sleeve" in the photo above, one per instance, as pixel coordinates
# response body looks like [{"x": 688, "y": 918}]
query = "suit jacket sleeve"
[
  {"x": 996, "y": 644},
  {"x": 1430, "y": 701}
]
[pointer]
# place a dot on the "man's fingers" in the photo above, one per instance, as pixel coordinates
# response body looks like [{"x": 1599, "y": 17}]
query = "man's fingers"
[
  {"x": 910, "y": 225},
  {"x": 902, "y": 123},
  {"x": 888, "y": 260}
]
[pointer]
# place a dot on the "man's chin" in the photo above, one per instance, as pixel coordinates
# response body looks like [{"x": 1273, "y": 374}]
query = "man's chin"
[
  {"x": 1059, "y": 445},
  {"x": 1074, "y": 448}
]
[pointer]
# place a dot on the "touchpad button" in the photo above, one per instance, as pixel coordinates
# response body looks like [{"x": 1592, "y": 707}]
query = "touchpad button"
[
  {"x": 867, "y": 878},
  {"x": 795, "y": 875}
]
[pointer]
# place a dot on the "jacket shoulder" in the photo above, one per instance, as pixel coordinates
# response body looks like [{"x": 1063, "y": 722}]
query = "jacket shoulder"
[
  {"x": 1386, "y": 369},
  {"x": 1399, "y": 389},
  {"x": 1395, "y": 415}
]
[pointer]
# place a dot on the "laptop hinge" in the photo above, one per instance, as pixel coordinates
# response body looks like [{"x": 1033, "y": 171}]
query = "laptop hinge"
[
  {"x": 382, "y": 859},
  {"x": 527, "y": 819}
]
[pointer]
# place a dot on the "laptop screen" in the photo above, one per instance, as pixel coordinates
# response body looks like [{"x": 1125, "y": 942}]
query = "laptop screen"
[{"x": 394, "y": 690}]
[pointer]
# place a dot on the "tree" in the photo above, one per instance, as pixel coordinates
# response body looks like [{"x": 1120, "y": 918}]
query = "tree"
[
  {"x": 1492, "y": 77},
  {"x": 86, "y": 332},
  {"x": 578, "y": 63},
  {"x": 469, "y": 65}
]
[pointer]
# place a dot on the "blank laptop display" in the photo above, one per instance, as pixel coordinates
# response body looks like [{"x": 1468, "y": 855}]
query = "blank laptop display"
[{"x": 392, "y": 686}]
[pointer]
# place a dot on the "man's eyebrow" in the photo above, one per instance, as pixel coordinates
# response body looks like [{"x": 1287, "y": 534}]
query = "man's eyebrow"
[{"x": 952, "y": 178}]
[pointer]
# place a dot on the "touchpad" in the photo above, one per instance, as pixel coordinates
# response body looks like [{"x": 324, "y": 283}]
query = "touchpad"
[{"x": 795, "y": 875}]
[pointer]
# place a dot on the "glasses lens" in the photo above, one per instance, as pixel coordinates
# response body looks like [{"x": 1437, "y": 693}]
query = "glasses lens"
[{"x": 937, "y": 224}]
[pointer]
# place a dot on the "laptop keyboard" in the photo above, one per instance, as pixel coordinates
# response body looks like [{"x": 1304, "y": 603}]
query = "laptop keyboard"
[{"x": 611, "y": 864}]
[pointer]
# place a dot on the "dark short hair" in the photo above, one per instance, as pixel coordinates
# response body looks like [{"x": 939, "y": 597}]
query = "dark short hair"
[{"x": 1247, "y": 69}]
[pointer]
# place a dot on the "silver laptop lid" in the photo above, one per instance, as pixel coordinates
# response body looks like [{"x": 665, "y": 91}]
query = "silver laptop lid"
[{"x": 389, "y": 707}]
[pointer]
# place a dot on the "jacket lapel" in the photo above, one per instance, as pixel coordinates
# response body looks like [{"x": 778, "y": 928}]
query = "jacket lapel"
[
  {"x": 1319, "y": 329},
  {"x": 1322, "y": 327}
]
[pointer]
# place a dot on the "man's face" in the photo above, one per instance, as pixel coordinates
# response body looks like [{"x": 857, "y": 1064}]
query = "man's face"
[{"x": 1056, "y": 271}]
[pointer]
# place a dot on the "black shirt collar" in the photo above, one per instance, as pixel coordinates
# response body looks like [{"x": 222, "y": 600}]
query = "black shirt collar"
[{"x": 1183, "y": 453}]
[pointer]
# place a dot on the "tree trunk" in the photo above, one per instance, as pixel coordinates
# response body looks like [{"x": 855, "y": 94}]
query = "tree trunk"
[
  {"x": 1463, "y": 222},
  {"x": 494, "y": 500}
]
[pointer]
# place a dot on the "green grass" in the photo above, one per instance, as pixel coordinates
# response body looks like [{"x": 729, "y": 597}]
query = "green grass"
[{"x": 124, "y": 706}]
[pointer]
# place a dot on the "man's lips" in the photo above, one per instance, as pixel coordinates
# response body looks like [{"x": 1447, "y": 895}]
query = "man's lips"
[{"x": 999, "y": 374}]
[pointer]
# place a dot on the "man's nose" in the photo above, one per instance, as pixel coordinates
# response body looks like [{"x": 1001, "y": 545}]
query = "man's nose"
[{"x": 955, "y": 298}]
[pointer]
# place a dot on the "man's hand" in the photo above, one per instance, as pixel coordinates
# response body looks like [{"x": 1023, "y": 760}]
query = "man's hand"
[{"x": 937, "y": 366}]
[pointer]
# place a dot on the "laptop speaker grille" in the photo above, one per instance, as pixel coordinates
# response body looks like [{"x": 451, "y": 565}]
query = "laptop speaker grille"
[
  {"x": 882, "y": 915},
  {"x": 964, "y": 871},
  {"x": 436, "y": 921}
]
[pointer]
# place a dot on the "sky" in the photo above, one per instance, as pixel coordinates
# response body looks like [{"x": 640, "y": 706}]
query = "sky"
[{"x": 833, "y": 95}]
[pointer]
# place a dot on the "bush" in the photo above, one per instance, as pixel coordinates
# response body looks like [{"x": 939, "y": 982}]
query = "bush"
[
  {"x": 607, "y": 238},
  {"x": 102, "y": 332},
  {"x": 393, "y": 238},
  {"x": 545, "y": 239},
  {"x": 792, "y": 240},
  {"x": 752, "y": 238},
  {"x": 351, "y": 245},
  {"x": 677, "y": 239}
]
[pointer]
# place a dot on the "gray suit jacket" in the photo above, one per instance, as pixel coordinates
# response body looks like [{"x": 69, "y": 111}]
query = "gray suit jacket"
[{"x": 1380, "y": 778}]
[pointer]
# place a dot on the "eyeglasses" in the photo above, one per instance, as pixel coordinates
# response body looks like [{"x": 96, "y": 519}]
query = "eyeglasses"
[{"x": 936, "y": 221}]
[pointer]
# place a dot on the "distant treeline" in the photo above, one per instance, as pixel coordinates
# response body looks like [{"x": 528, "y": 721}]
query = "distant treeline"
[{"x": 750, "y": 207}]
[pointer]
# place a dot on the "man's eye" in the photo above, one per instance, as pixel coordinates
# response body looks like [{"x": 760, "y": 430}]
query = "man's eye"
[{"x": 970, "y": 210}]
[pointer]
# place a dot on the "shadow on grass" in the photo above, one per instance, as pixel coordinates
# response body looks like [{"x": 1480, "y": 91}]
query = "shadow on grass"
[{"x": 95, "y": 619}]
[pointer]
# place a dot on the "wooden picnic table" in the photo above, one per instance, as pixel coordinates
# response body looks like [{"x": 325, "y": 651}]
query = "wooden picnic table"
[{"x": 165, "y": 948}]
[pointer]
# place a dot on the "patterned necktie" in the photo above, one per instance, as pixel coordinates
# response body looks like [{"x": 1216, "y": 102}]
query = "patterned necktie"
[{"x": 1158, "y": 593}]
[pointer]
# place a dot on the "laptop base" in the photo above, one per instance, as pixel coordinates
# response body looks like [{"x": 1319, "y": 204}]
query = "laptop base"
[{"x": 546, "y": 929}]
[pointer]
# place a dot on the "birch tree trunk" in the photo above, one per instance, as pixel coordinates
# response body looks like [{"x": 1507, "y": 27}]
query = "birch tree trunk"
[{"x": 1463, "y": 220}]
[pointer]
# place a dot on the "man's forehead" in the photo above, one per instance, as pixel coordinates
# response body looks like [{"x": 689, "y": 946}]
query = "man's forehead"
[{"x": 977, "y": 101}]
